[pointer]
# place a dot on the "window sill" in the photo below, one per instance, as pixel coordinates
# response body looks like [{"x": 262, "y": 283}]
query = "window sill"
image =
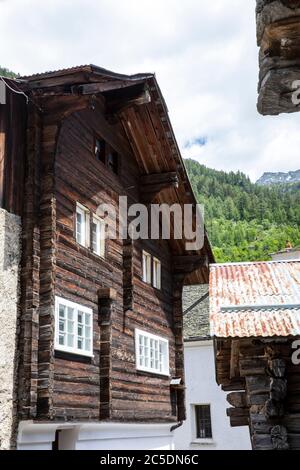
[
  {"x": 151, "y": 286},
  {"x": 67, "y": 356},
  {"x": 74, "y": 352},
  {"x": 153, "y": 373},
  {"x": 157, "y": 288},
  {"x": 203, "y": 442},
  {"x": 97, "y": 255},
  {"x": 86, "y": 250}
]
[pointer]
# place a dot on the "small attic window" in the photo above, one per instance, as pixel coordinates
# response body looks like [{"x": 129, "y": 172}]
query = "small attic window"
[
  {"x": 106, "y": 154},
  {"x": 113, "y": 161},
  {"x": 100, "y": 147}
]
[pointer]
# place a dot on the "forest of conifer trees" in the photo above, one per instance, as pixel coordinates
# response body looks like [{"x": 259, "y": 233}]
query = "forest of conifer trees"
[{"x": 245, "y": 221}]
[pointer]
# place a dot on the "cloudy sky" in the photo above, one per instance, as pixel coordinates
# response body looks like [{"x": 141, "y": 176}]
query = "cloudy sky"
[{"x": 204, "y": 55}]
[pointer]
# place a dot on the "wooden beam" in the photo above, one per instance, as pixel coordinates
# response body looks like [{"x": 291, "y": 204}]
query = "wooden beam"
[
  {"x": 234, "y": 385},
  {"x": 100, "y": 87},
  {"x": 237, "y": 399},
  {"x": 234, "y": 359},
  {"x": 108, "y": 293},
  {"x": 152, "y": 185},
  {"x": 237, "y": 412},
  {"x": 238, "y": 416},
  {"x": 253, "y": 366},
  {"x": 117, "y": 105},
  {"x": 188, "y": 263},
  {"x": 239, "y": 421}
]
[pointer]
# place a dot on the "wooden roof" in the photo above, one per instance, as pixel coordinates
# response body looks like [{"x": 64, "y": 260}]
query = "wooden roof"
[{"x": 137, "y": 101}]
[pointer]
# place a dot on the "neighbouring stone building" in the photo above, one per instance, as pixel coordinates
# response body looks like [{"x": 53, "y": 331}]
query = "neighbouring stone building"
[
  {"x": 207, "y": 426},
  {"x": 10, "y": 254},
  {"x": 287, "y": 254}
]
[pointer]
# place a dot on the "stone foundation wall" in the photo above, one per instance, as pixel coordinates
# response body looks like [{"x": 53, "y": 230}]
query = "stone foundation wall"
[{"x": 10, "y": 254}]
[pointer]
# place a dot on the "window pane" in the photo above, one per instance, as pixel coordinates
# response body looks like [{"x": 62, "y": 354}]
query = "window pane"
[
  {"x": 152, "y": 365},
  {"x": 112, "y": 161},
  {"x": 149, "y": 269},
  {"x": 79, "y": 227},
  {"x": 156, "y": 273},
  {"x": 74, "y": 328},
  {"x": 146, "y": 267},
  {"x": 62, "y": 310},
  {"x": 102, "y": 235},
  {"x": 94, "y": 237},
  {"x": 71, "y": 341},
  {"x": 152, "y": 354},
  {"x": 70, "y": 327},
  {"x": 100, "y": 150},
  {"x": 203, "y": 422},
  {"x": 87, "y": 332},
  {"x": 98, "y": 237},
  {"x": 82, "y": 226},
  {"x": 70, "y": 313}
]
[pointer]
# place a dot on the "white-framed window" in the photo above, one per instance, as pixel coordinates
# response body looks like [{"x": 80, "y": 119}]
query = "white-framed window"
[
  {"x": 152, "y": 353},
  {"x": 98, "y": 236},
  {"x": 156, "y": 273},
  {"x": 146, "y": 267},
  {"x": 73, "y": 327},
  {"x": 82, "y": 225}
]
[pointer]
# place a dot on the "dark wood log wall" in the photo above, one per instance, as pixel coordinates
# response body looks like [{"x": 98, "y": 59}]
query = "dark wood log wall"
[
  {"x": 13, "y": 123},
  {"x": 264, "y": 390},
  {"x": 133, "y": 396},
  {"x": 28, "y": 343}
]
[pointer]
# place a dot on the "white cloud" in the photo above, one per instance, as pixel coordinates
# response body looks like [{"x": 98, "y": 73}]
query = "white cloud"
[{"x": 204, "y": 54}]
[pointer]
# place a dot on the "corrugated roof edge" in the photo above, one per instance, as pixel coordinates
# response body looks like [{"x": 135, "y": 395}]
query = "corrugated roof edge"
[
  {"x": 247, "y": 263},
  {"x": 287, "y": 250}
]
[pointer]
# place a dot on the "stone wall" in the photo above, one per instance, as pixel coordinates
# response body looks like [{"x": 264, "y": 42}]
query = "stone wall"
[{"x": 10, "y": 253}]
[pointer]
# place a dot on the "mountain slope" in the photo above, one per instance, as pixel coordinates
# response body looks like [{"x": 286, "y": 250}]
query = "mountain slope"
[
  {"x": 269, "y": 179},
  {"x": 245, "y": 221}
]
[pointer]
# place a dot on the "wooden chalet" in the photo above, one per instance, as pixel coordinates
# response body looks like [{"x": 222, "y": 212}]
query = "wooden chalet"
[
  {"x": 255, "y": 322},
  {"x": 100, "y": 322}
]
